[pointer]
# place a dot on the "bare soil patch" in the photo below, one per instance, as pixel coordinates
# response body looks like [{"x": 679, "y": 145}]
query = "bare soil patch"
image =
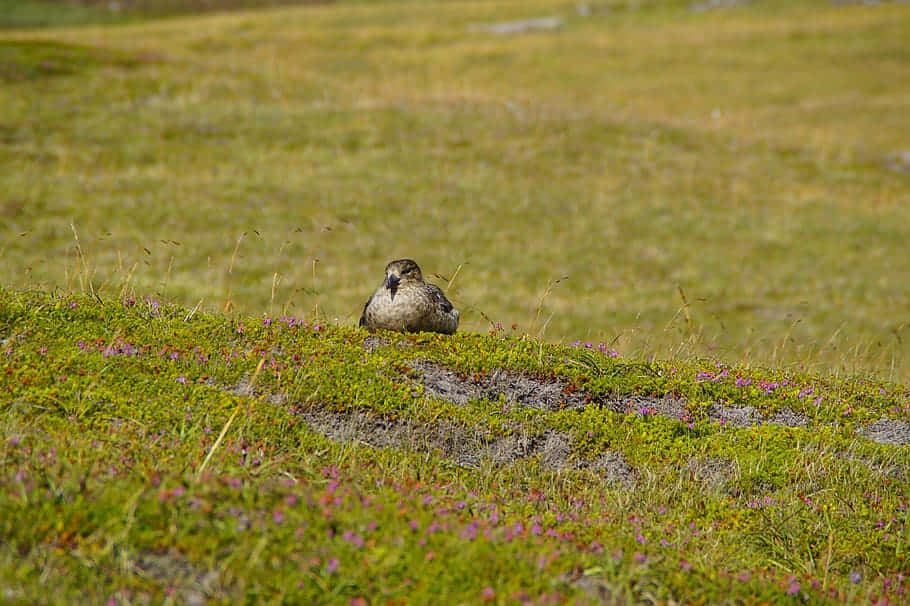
[
  {"x": 749, "y": 416},
  {"x": 190, "y": 584},
  {"x": 524, "y": 389},
  {"x": 516, "y": 388},
  {"x": 466, "y": 447},
  {"x": 887, "y": 431}
]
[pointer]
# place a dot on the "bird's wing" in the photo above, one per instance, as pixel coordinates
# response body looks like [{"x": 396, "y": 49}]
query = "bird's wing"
[
  {"x": 363, "y": 316},
  {"x": 438, "y": 298}
]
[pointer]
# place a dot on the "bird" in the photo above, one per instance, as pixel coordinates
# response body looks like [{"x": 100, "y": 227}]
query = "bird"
[{"x": 405, "y": 303}]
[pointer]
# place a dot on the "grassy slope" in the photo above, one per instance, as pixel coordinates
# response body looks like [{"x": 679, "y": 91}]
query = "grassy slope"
[
  {"x": 152, "y": 453},
  {"x": 276, "y": 160}
]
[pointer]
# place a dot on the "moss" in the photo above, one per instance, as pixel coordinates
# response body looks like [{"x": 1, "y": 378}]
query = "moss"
[{"x": 180, "y": 445}]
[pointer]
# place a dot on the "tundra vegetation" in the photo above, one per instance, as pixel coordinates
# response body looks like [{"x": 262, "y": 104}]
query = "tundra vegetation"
[{"x": 676, "y": 233}]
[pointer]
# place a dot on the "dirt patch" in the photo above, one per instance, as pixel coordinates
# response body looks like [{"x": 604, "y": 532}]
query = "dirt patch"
[
  {"x": 516, "y": 388},
  {"x": 244, "y": 389},
  {"x": 667, "y": 406},
  {"x": 899, "y": 161},
  {"x": 788, "y": 418},
  {"x": 749, "y": 416},
  {"x": 520, "y": 27},
  {"x": 191, "y": 585},
  {"x": 887, "y": 431},
  {"x": 700, "y": 7},
  {"x": 466, "y": 447},
  {"x": 533, "y": 392}
]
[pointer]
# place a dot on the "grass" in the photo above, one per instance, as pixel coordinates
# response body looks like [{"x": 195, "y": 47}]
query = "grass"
[
  {"x": 150, "y": 453},
  {"x": 707, "y": 195},
  {"x": 278, "y": 159},
  {"x": 738, "y": 155},
  {"x": 66, "y": 13}
]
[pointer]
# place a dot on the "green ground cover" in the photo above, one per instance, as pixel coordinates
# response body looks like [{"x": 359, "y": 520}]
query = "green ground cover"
[
  {"x": 692, "y": 224},
  {"x": 152, "y": 453},
  {"x": 680, "y": 182}
]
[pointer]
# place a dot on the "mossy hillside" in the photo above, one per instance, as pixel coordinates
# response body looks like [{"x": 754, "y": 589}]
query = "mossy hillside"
[{"x": 152, "y": 451}]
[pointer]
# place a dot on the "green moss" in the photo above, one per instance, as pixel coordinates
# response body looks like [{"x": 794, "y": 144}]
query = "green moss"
[{"x": 175, "y": 443}]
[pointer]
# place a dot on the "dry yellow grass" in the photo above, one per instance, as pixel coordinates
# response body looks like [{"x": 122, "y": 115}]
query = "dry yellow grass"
[{"x": 274, "y": 160}]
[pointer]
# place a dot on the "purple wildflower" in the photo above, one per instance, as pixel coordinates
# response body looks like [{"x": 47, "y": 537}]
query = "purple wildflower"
[{"x": 353, "y": 538}]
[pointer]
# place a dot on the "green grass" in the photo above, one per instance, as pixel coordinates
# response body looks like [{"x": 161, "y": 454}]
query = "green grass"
[
  {"x": 64, "y": 13},
  {"x": 707, "y": 193},
  {"x": 278, "y": 159},
  {"x": 152, "y": 453},
  {"x": 36, "y": 13}
]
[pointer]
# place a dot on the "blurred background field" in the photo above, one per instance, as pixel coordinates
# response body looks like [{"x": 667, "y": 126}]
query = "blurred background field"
[{"x": 668, "y": 178}]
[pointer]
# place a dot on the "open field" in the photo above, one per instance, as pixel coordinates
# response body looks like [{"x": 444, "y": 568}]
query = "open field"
[
  {"x": 275, "y": 160},
  {"x": 155, "y": 454}
]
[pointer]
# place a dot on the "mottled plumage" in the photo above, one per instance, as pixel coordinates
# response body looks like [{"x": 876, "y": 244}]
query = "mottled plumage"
[{"x": 404, "y": 302}]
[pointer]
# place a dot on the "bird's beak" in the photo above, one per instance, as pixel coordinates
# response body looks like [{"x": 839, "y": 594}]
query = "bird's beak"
[{"x": 392, "y": 281}]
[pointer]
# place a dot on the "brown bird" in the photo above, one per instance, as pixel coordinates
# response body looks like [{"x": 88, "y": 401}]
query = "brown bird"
[{"x": 406, "y": 303}]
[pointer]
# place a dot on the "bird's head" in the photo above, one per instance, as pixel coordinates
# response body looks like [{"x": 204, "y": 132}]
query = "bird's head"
[{"x": 402, "y": 270}]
